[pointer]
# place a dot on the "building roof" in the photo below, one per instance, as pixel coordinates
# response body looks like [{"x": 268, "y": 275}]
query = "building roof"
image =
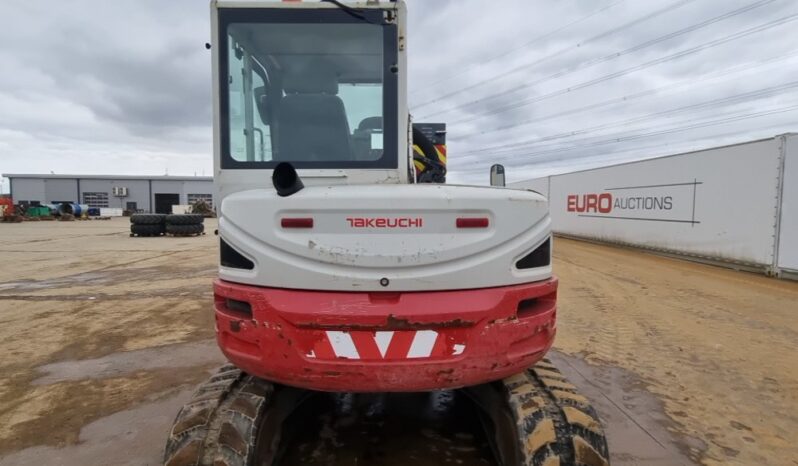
[{"x": 106, "y": 177}]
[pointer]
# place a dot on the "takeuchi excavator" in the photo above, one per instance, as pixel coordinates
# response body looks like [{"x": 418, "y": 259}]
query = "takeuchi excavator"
[{"x": 346, "y": 262}]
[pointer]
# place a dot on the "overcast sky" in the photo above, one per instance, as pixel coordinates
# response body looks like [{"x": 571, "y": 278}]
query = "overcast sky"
[{"x": 543, "y": 86}]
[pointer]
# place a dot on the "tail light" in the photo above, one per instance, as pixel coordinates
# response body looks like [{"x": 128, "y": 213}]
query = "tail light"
[
  {"x": 479, "y": 222},
  {"x": 296, "y": 222}
]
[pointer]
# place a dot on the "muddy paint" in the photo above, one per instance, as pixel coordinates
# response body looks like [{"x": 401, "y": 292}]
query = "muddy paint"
[{"x": 391, "y": 323}]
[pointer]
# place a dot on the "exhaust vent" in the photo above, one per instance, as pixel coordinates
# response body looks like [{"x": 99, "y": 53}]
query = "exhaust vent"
[
  {"x": 232, "y": 258},
  {"x": 540, "y": 257}
]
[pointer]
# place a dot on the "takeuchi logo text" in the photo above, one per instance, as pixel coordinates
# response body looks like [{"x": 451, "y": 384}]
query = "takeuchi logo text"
[
  {"x": 605, "y": 203},
  {"x": 385, "y": 222}
]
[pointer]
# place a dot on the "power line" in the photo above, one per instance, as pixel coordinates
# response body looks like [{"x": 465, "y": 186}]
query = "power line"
[
  {"x": 737, "y": 98},
  {"x": 648, "y": 64},
  {"x": 602, "y": 159},
  {"x": 537, "y": 39},
  {"x": 658, "y": 145},
  {"x": 612, "y": 56},
  {"x": 558, "y": 53},
  {"x": 728, "y": 73},
  {"x": 588, "y": 142},
  {"x": 611, "y": 155},
  {"x": 618, "y": 138}
]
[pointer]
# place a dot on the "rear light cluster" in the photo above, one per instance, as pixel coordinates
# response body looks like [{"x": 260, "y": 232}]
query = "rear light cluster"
[
  {"x": 470, "y": 222},
  {"x": 306, "y": 222}
]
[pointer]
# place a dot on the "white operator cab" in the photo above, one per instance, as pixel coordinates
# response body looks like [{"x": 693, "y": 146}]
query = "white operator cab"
[
  {"x": 320, "y": 57},
  {"x": 323, "y": 87}
]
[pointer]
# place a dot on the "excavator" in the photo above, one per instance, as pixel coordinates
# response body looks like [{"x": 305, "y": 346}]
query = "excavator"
[{"x": 348, "y": 265}]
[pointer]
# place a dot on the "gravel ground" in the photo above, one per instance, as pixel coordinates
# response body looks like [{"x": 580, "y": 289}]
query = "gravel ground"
[{"x": 103, "y": 337}]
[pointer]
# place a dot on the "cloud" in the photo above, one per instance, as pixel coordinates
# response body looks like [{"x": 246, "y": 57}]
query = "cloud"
[
  {"x": 125, "y": 87},
  {"x": 577, "y": 80},
  {"x": 99, "y": 87}
]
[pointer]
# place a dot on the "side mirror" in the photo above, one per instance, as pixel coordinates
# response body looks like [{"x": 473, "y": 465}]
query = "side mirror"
[
  {"x": 286, "y": 180},
  {"x": 497, "y": 175}
]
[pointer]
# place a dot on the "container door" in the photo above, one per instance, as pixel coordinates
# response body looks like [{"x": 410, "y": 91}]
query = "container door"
[{"x": 788, "y": 238}]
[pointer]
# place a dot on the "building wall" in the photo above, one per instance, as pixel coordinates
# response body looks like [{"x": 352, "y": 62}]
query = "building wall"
[
  {"x": 27, "y": 189},
  {"x": 183, "y": 188},
  {"x": 60, "y": 190},
  {"x": 138, "y": 192},
  {"x": 48, "y": 190}
]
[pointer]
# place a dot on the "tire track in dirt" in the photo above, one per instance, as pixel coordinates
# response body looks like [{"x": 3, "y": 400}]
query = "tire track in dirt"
[{"x": 717, "y": 346}]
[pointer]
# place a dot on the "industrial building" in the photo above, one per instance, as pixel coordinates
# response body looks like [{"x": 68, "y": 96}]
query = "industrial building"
[{"x": 134, "y": 193}]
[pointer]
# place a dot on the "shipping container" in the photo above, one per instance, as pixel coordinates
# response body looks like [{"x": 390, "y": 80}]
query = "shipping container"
[
  {"x": 788, "y": 221},
  {"x": 735, "y": 205},
  {"x": 110, "y": 212}
]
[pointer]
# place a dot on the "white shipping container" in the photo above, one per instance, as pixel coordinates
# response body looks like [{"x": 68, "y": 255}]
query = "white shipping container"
[
  {"x": 540, "y": 185},
  {"x": 180, "y": 209},
  {"x": 788, "y": 222},
  {"x": 722, "y": 205},
  {"x": 110, "y": 212}
]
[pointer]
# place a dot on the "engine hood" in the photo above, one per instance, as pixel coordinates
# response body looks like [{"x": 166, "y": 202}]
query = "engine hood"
[{"x": 405, "y": 234}]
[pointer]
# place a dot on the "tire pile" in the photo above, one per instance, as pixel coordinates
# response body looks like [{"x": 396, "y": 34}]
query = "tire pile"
[{"x": 160, "y": 225}]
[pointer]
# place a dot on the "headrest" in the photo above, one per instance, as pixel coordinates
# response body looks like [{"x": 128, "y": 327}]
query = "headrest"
[
  {"x": 311, "y": 80},
  {"x": 371, "y": 123}
]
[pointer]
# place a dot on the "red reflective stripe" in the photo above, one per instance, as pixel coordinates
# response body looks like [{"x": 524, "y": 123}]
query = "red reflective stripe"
[
  {"x": 400, "y": 345},
  {"x": 481, "y": 222},
  {"x": 439, "y": 349},
  {"x": 296, "y": 223},
  {"x": 366, "y": 344},
  {"x": 323, "y": 349}
]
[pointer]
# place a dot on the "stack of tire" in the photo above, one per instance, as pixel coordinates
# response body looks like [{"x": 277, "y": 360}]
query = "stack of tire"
[
  {"x": 147, "y": 225},
  {"x": 160, "y": 224},
  {"x": 185, "y": 224}
]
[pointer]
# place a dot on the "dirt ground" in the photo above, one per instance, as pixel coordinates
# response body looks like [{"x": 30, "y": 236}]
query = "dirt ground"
[{"x": 103, "y": 337}]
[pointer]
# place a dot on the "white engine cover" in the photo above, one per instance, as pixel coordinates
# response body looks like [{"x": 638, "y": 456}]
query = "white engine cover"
[{"x": 406, "y": 234}]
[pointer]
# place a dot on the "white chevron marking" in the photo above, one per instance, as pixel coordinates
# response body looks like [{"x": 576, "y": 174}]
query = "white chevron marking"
[
  {"x": 343, "y": 345},
  {"x": 383, "y": 340},
  {"x": 422, "y": 344}
]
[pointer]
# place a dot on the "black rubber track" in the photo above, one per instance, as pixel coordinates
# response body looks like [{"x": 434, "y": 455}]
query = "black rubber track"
[
  {"x": 147, "y": 219},
  {"x": 184, "y": 219},
  {"x": 233, "y": 419},
  {"x": 184, "y": 230},
  {"x": 217, "y": 426},
  {"x": 555, "y": 424},
  {"x": 146, "y": 230}
]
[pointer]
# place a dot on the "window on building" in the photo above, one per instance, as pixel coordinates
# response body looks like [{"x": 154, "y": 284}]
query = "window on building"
[
  {"x": 194, "y": 198},
  {"x": 95, "y": 199}
]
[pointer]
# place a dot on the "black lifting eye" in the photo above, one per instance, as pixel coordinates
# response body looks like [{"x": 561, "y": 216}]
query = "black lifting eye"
[{"x": 384, "y": 281}]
